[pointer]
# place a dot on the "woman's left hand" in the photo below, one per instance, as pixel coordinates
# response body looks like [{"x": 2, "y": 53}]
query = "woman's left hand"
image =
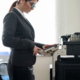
[{"x": 47, "y": 46}]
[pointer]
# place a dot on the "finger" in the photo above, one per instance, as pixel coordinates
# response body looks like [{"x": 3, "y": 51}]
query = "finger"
[
  {"x": 51, "y": 45},
  {"x": 54, "y": 44},
  {"x": 47, "y": 46},
  {"x": 43, "y": 47},
  {"x": 33, "y": 52},
  {"x": 39, "y": 48}
]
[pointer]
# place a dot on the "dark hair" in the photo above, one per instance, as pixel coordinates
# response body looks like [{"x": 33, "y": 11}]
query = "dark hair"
[{"x": 16, "y": 2}]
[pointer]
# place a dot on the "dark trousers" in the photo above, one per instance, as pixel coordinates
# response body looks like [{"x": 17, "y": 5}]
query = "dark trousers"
[{"x": 20, "y": 73}]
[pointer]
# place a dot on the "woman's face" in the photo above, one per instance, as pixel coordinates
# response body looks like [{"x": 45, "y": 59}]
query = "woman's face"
[{"x": 27, "y": 5}]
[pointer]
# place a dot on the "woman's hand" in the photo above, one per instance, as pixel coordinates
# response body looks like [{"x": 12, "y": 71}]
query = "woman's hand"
[
  {"x": 35, "y": 50},
  {"x": 47, "y": 46}
]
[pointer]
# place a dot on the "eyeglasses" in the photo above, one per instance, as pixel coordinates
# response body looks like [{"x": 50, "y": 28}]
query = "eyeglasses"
[{"x": 32, "y": 4}]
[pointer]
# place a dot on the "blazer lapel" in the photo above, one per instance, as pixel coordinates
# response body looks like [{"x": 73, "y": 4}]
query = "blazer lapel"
[{"x": 18, "y": 13}]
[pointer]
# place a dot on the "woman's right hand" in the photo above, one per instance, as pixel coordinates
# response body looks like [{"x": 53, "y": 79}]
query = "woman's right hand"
[{"x": 35, "y": 50}]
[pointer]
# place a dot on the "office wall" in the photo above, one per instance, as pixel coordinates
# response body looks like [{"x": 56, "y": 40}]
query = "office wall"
[
  {"x": 67, "y": 17},
  {"x": 41, "y": 68}
]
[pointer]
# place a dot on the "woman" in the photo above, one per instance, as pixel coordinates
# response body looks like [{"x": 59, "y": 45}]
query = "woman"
[{"x": 18, "y": 34}]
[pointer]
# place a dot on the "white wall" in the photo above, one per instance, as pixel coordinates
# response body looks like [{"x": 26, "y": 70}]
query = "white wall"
[
  {"x": 42, "y": 19},
  {"x": 67, "y": 17},
  {"x": 41, "y": 68}
]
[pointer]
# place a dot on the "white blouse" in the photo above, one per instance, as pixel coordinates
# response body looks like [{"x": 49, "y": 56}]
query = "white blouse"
[{"x": 20, "y": 12}]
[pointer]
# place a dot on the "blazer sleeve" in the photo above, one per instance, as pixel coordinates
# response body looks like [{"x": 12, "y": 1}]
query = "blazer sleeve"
[
  {"x": 39, "y": 44},
  {"x": 8, "y": 39}
]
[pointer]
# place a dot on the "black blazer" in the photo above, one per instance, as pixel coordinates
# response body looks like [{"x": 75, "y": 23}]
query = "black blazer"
[{"x": 18, "y": 34}]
